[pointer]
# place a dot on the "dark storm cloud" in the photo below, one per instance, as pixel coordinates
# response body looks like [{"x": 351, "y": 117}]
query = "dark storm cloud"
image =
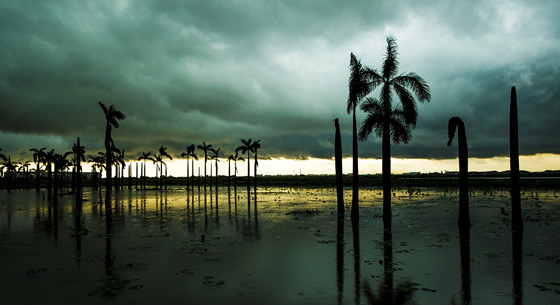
[{"x": 190, "y": 71}]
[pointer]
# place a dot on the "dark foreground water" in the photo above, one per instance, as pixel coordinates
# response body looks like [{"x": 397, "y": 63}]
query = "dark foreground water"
[{"x": 155, "y": 247}]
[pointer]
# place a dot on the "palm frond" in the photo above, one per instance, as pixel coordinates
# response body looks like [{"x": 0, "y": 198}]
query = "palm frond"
[
  {"x": 105, "y": 110},
  {"x": 415, "y": 83},
  {"x": 400, "y": 131},
  {"x": 390, "y": 64},
  {"x": 408, "y": 104}
]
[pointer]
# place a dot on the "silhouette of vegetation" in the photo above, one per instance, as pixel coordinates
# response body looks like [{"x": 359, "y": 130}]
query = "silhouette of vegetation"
[
  {"x": 464, "y": 218},
  {"x": 516, "y": 214},
  {"x": 255, "y": 148},
  {"x": 358, "y": 88},
  {"x": 60, "y": 163},
  {"x": 246, "y": 148},
  {"x": 338, "y": 168},
  {"x": 47, "y": 161},
  {"x": 215, "y": 157},
  {"x": 10, "y": 168},
  {"x": 235, "y": 158},
  {"x": 162, "y": 154},
  {"x": 205, "y": 148},
  {"x": 392, "y": 122},
  {"x": 144, "y": 157},
  {"x": 112, "y": 116},
  {"x": 38, "y": 156},
  {"x": 79, "y": 152},
  {"x": 190, "y": 153}
]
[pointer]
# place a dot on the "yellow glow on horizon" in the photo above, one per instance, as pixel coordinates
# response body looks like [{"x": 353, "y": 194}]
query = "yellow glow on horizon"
[{"x": 282, "y": 166}]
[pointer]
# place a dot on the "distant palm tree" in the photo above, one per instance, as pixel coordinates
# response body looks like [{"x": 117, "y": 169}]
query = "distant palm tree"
[
  {"x": 79, "y": 152},
  {"x": 255, "y": 148},
  {"x": 38, "y": 156},
  {"x": 394, "y": 120},
  {"x": 235, "y": 158},
  {"x": 358, "y": 88},
  {"x": 190, "y": 152},
  {"x": 246, "y": 148},
  {"x": 215, "y": 157},
  {"x": 205, "y": 148},
  {"x": 162, "y": 154},
  {"x": 464, "y": 218},
  {"x": 60, "y": 163},
  {"x": 113, "y": 116},
  {"x": 120, "y": 164},
  {"x": 10, "y": 168},
  {"x": 144, "y": 157},
  {"x": 48, "y": 161}
]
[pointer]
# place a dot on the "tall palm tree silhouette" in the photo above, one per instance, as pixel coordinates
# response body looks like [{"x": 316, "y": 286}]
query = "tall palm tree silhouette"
[
  {"x": 246, "y": 148},
  {"x": 255, "y": 148},
  {"x": 464, "y": 218},
  {"x": 395, "y": 120},
  {"x": 120, "y": 164},
  {"x": 60, "y": 163},
  {"x": 189, "y": 153},
  {"x": 216, "y": 157},
  {"x": 113, "y": 116},
  {"x": 47, "y": 161},
  {"x": 10, "y": 169},
  {"x": 144, "y": 157},
  {"x": 235, "y": 158},
  {"x": 38, "y": 156},
  {"x": 205, "y": 148},
  {"x": 163, "y": 153},
  {"x": 79, "y": 152},
  {"x": 358, "y": 88}
]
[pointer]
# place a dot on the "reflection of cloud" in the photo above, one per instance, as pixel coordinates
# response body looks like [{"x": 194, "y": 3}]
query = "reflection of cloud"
[{"x": 191, "y": 71}]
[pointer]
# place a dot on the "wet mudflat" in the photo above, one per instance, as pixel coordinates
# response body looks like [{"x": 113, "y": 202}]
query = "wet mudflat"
[{"x": 172, "y": 248}]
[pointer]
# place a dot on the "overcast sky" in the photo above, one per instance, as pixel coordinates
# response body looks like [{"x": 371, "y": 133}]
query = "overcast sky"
[{"x": 216, "y": 71}]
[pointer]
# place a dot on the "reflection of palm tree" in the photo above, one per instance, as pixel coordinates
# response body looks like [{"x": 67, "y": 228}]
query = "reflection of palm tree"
[
  {"x": 464, "y": 218},
  {"x": 38, "y": 156},
  {"x": 246, "y": 148},
  {"x": 340, "y": 258},
  {"x": 113, "y": 116},
  {"x": 358, "y": 88},
  {"x": 205, "y": 148},
  {"x": 464, "y": 245},
  {"x": 255, "y": 148},
  {"x": 395, "y": 122},
  {"x": 403, "y": 294}
]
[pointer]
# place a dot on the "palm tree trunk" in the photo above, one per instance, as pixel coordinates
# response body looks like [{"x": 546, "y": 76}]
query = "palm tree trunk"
[
  {"x": 38, "y": 182},
  {"x": 386, "y": 172},
  {"x": 516, "y": 215},
  {"x": 338, "y": 169},
  {"x": 49, "y": 180},
  {"x": 248, "y": 173},
  {"x": 255, "y": 178},
  {"x": 355, "y": 183},
  {"x": 108, "y": 158},
  {"x": 228, "y": 175},
  {"x": 205, "y": 160},
  {"x": 464, "y": 217}
]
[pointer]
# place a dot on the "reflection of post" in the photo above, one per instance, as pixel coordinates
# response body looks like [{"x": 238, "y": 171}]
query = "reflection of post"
[
  {"x": 78, "y": 228},
  {"x": 340, "y": 258},
  {"x": 338, "y": 169},
  {"x": 356, "y": 244},
  {"x": 464, "y": 245},
  {"x": 517, "y": 247},
  {"x": 388, "y": 266}
]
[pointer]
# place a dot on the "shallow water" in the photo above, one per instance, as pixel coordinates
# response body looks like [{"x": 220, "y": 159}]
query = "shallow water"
[{"x": 170, "y": 248}]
